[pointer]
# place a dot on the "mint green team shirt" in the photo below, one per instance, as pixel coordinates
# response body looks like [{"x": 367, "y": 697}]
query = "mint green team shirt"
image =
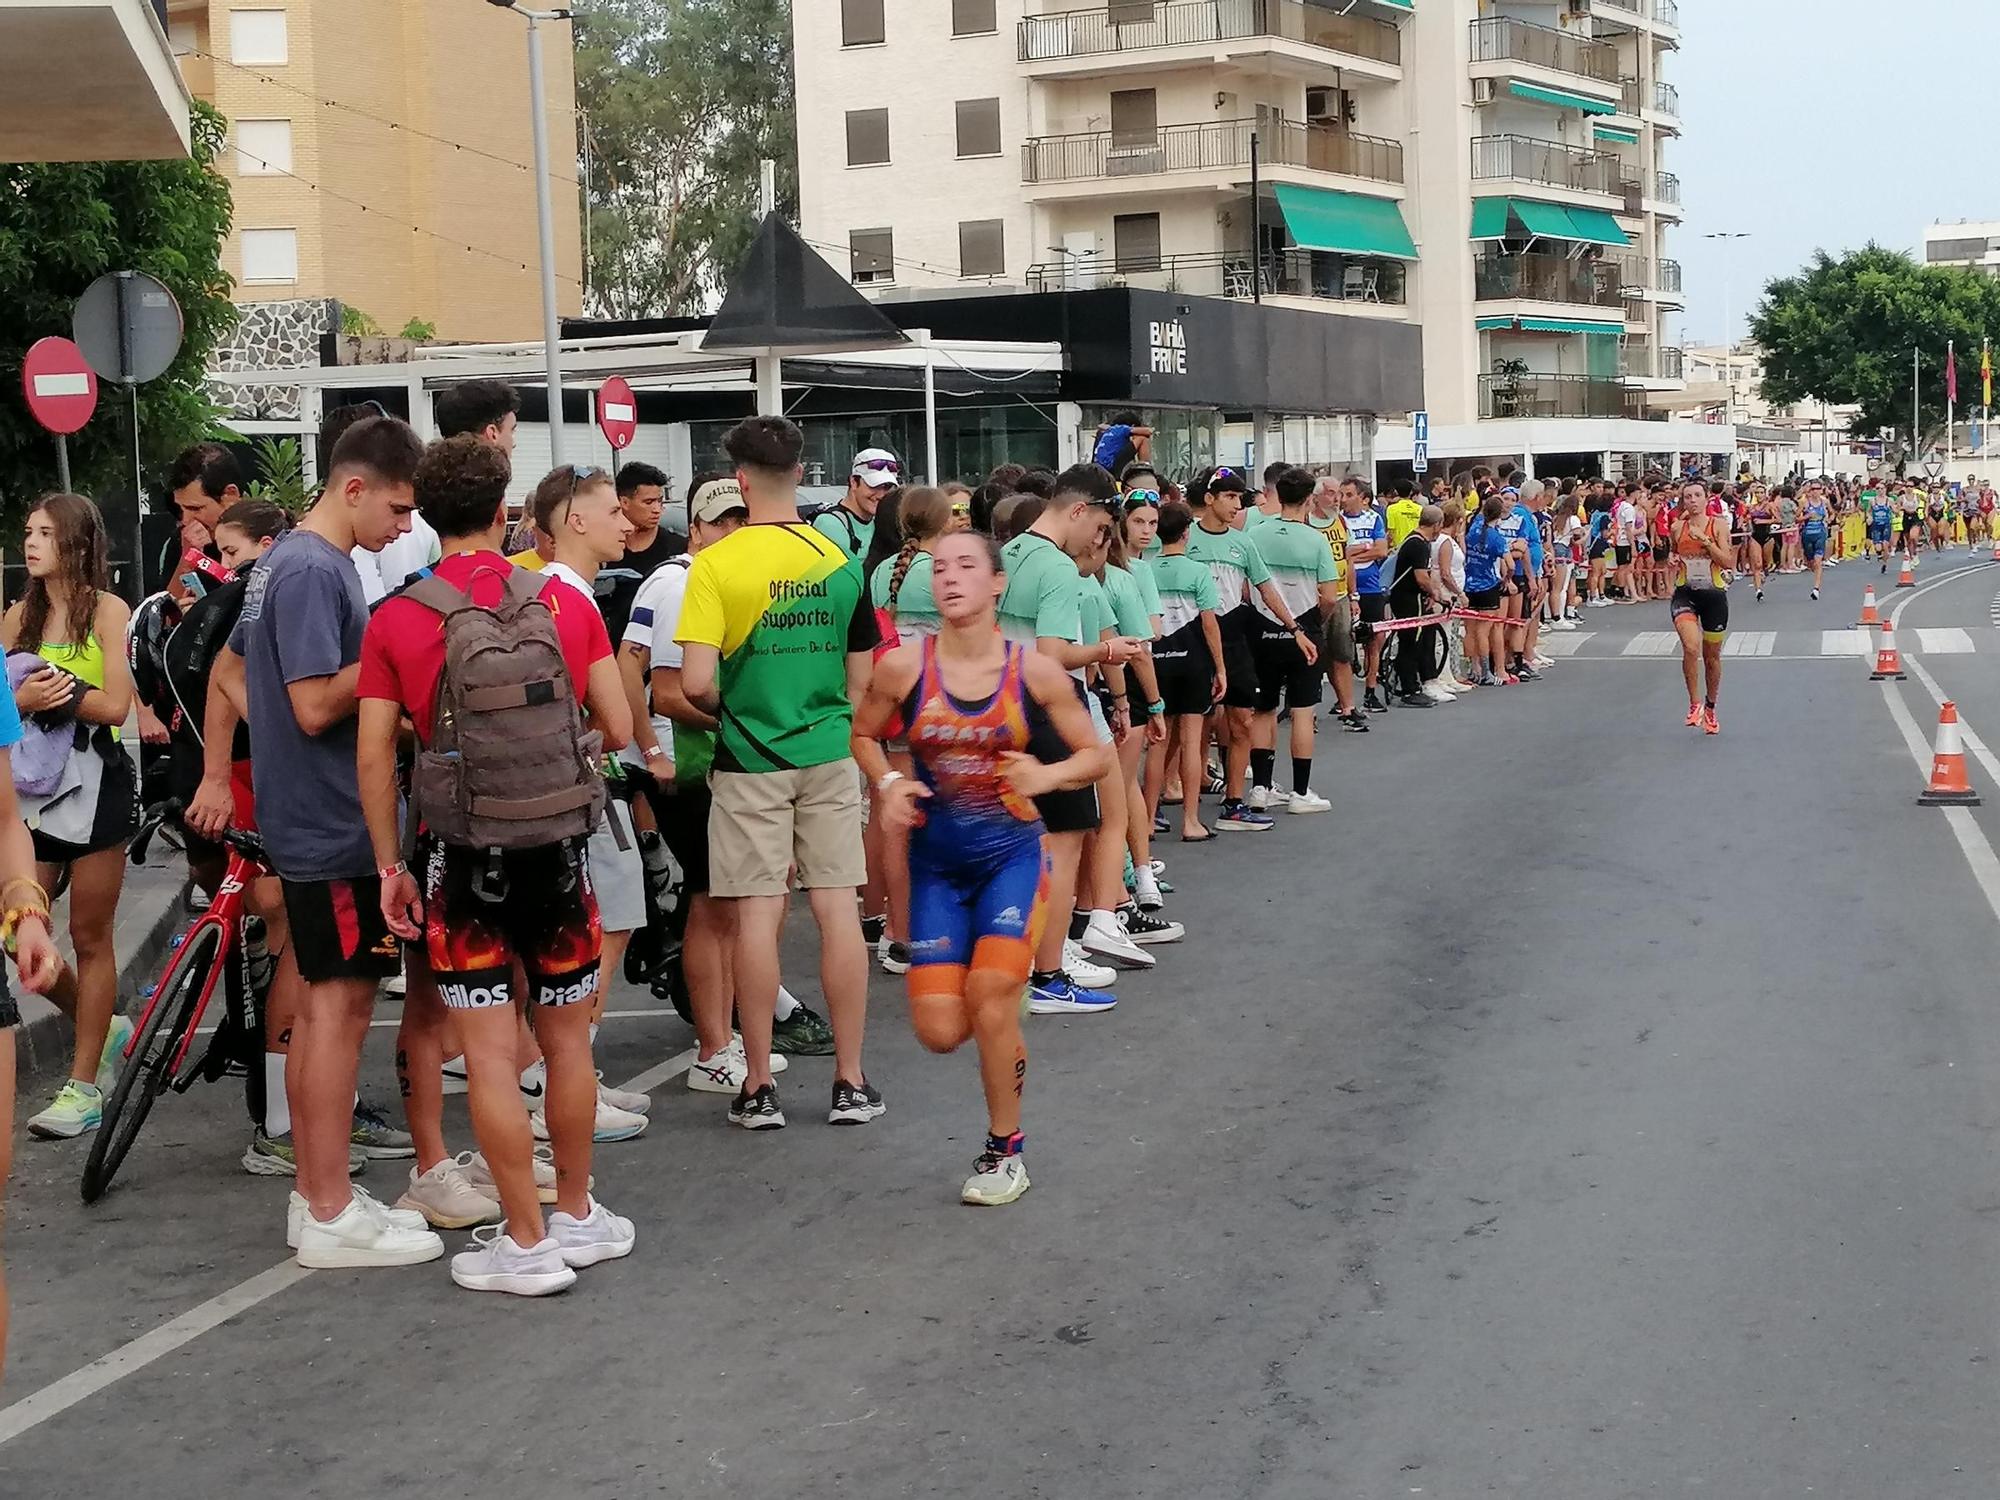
[
  {"x": 848, "y": 531},
  {"x": 1128, "y": 604},
  {"x": 1041, "y": 598},
  {"x": 916, "y": 609},
  {"x": 1141, "y": 569},
  {"x": 1233, "y": 557},
  {"x": 1187, "y": 587},
  {"x": 1300, "y": 561},
  {"x": 1093, "y": 608}
]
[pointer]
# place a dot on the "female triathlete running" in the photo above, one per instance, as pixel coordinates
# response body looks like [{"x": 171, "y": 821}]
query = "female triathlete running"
[
  {"x": 1763, "y": 549},
  {"x": 990, "y": 727},
  {"x": 1813, "y": 531},
  {"x": 1700, "y": 606}
]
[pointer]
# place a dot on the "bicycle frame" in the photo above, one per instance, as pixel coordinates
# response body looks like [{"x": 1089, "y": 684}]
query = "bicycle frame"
[{"x": 226, "y": 913}]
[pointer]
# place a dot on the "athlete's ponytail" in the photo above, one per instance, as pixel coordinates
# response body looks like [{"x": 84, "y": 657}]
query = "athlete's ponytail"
[{"x": 926, "y": 516}]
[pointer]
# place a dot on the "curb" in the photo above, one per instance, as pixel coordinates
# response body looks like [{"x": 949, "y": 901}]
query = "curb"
[{"x": 42, "y": 1039}]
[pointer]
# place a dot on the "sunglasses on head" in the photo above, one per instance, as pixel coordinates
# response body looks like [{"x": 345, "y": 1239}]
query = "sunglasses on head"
[
  {"x": 1224, "y": 472},
  {"x": 879, "y": 466},
  {"x": 1134, "y": 499}
]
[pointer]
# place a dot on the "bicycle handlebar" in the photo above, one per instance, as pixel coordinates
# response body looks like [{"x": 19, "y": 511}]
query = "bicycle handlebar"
[{"x": 249, "y": 845}]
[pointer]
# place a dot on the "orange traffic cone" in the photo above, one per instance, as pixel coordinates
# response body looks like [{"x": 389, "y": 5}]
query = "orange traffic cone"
[
  {"x": 1907, "y": 579},
  {"x": 1868, "y": 615},
  {"x": 1996, "y": 549},
  {"x": 1888, "y": 660},
  {"x": 1948, "y": 782}
]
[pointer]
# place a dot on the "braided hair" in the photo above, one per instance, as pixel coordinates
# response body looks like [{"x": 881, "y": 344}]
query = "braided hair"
[{"x": 925, "y": 516}]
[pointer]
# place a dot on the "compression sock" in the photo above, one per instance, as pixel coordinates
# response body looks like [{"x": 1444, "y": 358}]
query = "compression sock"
[
  {"x": 1078, "y": 921},
  {"x": 1302, "y": 772},
  {"x": 277, "y": 1108},
  {"x": 1262, "y": 762},
  {"x": 1007, "y": 1145}
]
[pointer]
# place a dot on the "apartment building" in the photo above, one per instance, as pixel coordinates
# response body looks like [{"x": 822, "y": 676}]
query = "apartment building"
[
  {"x": 1968, "y": 244},
  {"x": 381, "y": 157},
  {"x": 1493, "y": 174}
]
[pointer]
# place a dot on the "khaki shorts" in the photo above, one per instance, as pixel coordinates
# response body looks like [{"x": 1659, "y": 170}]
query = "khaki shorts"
[
  {"x": 1339, "y": 644},
  {"x": 764, "y": 823}
]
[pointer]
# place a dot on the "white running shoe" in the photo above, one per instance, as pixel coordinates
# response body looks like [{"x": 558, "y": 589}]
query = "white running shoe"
[
  {"x": 630, "y": 1100},
  {"x": 893, "y": 957},
  {"x": 535, "y": 1083},
  {"x": 1105, "y": 938},
  {"x": 456, "y": 1080},
  {"x": 1077, "y": 964},
  {"x": 446, "y": 1199},
  {"x": 1309, "y": 802},
  {"x": 296, "y": 1213},
  {"x": 1565, "y": 623},
  {"x": 1259, "y": 798},
  {"x": 481, "y": 1176},
  {"x": 1146, "y": 890},
  {"x": 721, "y": 1074},
  {"x": 599, "y": 1235},
  {"x": 612, "y": 1124},
  {"x": 995, "y": 1180},
  {"x": 363, "y": 1235},
  {"x": 496, "y": 1264},
  {"x": 1541, "y": 659},
  {"x": 1437, "y": 692}
]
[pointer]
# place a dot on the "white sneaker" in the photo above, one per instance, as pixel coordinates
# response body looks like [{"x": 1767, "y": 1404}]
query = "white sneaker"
[
  {"x": 1539, "y": 660},
  {"x": 481, "y": 1176},
  {"x": 1259, "y": 799},
  {"x": 1105, "y": 938},
  {"x": 456, "y": 1080},
  {"x": 535, "y": 1083},
  {"x": 892, "y": 956},
  {"x": 1437, "y": 692},
  {"x": 1076, "y": 964},
  {"x": 1310, "y": 802},
  {"x": 496, "y": 1264},
  {"x": 1146, "y": 890},
  {"x": 394, "y": 984},
  {"x": 721, "y": 1074},
  {"x": 363, "y": 1235},
  {"x": 995, "y": 1180},
  {"x": 446, "y": 1199},
  {"x": 612, "y": 1124},
  {"x": 296, "y": 1214},
  {"x": 1563, "y": 624},
  {"x": 599, "y": 1235},
  {"x": 1280, "y": 797},
  {"x": 630, "y": 1100}
]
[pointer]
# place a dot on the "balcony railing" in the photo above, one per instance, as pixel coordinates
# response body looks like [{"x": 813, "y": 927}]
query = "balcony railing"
[
  {"x": 1636, "y": 273},
  {"x": 1666, "y": 187},
  {"x": 1288, "y": 273},
  {"x": 1637, "y": 7},
  {"x": 1628, "y": 96},
  {"x": 1223, "y": 144},
  {"x": 1667, "y": 99},
  {"x": 1172, "y": 23},
  {"x": 1667, "y": 12},
  {"x": 1550, "y": 396},
  {"x": 1670, "y": 276},
  {"x": 1541, "y": 277},
  {"x": 1504, "y": 39},
  {"x": 1527, "y": 159},
  {"x": 1645, "y": 362}
]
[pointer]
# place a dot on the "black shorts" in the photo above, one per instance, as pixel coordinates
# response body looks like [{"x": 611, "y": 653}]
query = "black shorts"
[
  {"x": 483, "y": 910},
  {"x": 1187, "y": 683},
  {"x": 1598, "y": 548},
  {"x": 1282, "y": 671},
  {"x": 1065, "y": 811},
  {"x": 116, "y": 820},
  {"x": 1622, "y": 556},
  {"x": 1760, "y": 532},
  {"x": 1485, "y": 600},
  {"x": 338, "y": 931},
  {"x": 1374, "y": 608},
  {"x": 1239, "y": 661},
  {"x": 682, "y": 816},
  {"x": 1710, "y": 607},
  {"x": 10, "y": 1010}
]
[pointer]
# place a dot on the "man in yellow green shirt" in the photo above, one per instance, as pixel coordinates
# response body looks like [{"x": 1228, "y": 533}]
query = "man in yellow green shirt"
[{"x": 1401, "y": 516}]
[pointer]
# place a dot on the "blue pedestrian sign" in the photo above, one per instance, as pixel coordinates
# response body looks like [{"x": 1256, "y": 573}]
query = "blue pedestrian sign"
[{"x": 1420, "y": 451}]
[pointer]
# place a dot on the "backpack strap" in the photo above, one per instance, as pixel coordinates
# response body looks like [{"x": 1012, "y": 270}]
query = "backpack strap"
[
  {"x": 525, "y": 586},
  {"x": 434, "y": 593}
]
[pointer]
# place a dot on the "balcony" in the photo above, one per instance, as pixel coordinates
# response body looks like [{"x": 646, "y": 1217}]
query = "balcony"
[
  {"x": 1541, "y": 277},
  {"x": 1224, "y": 145},
  {"x": 1667, "y": 188},
  {"x": 1320, "y": 275},
  {"x": 1637, "y": 274},
  {"x": 1504, "y": 39},
  {"x": 1645, "y": 362},
  {"x": 1550, "y": 396},
  {"x": 1628, "y": 97},
  {"x": 1667, "y": 13},
  {"x": 1522, "y": 158},
  {"x": 1192, "y": 23},
  {"x": 1667, "y": 100}
]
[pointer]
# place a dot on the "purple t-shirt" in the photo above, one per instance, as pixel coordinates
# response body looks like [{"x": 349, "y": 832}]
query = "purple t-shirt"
[{"x": 303, "y": 614}]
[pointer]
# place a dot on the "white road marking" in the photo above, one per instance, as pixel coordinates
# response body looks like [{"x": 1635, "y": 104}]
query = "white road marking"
[
  {"x": 1967, "y": 735},
  {"x": 79, "y": 1385},
  {"x": 1561, "y": 644},
  {"x": 1972, "y": 843},
  {"x": 1750, "y": 643},
  {"x": 1944, "y": 642},
  {"x": 1653, "y": 643},
  {"x": 1845, "y": 643}
]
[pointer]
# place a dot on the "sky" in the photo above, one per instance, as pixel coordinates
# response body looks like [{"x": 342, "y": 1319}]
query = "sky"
[{"x": 1809, "y": 124}]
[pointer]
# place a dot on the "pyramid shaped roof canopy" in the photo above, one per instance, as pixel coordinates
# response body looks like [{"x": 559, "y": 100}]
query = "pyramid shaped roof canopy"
[{"x": 784, "y": 299}]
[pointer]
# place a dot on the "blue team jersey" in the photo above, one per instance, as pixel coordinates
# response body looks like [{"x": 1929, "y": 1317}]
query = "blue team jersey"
[
  {"x": 1519, "y": 524},
  {"x": 1880, "y": 515},
  {"x": 1486, "y": 549},
  {"x": 1362, "y": 531}
]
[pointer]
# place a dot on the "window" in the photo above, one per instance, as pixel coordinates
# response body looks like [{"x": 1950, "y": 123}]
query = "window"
[
  {"x": 1135, "y": 242},
  {"x": 1130, "y": 12},
  {"x": 873, "y": 253},
  {"x": 263, "y": 147},
  {"x": 257, "y": 36},
  {"x": 867, "y": 137},
  {"x": 982, "y": 247},
  {"x": 973, "y": 18},
  {"x": 979, "y": 127},
  {"x": 1948, "y": 250},
  {"x": 1135, "y": 117},
  {"x": 861, "y": 23},
  {"x": 270, "y": 256}
]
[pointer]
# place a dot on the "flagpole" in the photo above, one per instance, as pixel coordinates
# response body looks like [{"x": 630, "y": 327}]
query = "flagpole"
[
  {"x": 1916, "y": 412},
  {"x": 1950, "y": 401}
]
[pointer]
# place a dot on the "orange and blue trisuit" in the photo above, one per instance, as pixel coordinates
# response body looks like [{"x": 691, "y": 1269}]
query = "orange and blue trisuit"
[{"x": 979, "y": 880}]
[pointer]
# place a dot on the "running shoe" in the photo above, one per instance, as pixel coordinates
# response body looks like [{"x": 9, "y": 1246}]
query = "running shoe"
[
  {"x": 1524, "y": 673},
  {"x": 377, "y": 1139},
  {"x": 295, "y": 1214},
  {"x": 872, "y": 929},
  {"x": 1144, "y": 928},
  {"x": 1259, "y": 799},
  {"x": 1105, "y": 938},
  {"x": 1214, "y": 785},
  {"x": 1760, "y": 593},
  {"x": 456, "y": 1079},
  {"x": 804, "y": 1033},
  {"x": 363, "y": 1235},
  {"x": 1307, "y": 802},
  {"x": 723, "y": 1073},
  {"x": 598, "y": 1236},
  {"x": 1354, "y": 721},
  {"x": 1146, "y": 890},
  {"x": 446, "y": 1199},
  {"x": 1815, "y": 593},
  {"x": 272, "y": 1156},
  {"x": 995, "y": 1179},
  {"x": 1565, "y": 623},
  {"x": 612, "y": 1124},
  {"x": 758, "y": 1111},
  {"x": 1541, "y": 661},
  {"x": 1372, "y": 701},
  {"x": 1060, "y": 996},
  {"x": 535, "y": 1082},
  {"x": 894, "y": 957},
  {"x": 1236, "y": 818},
  {"x": 630, "y": 1100},
  {"x": 76, "y": 1108},
  {"x": 1416, "y": 700},
  {"x": 1437, "y": 692},
  {"x": 1695, "y": 716},
  {"x": 543, "y": 1161},
  {"x": 496, "y": 1263},
  {"x": 115, "y": 1037},
  {"x": 855, "y": 1103},
  {"x": 1083, "y": 969},
  {"x": 1708, "y": 723}
]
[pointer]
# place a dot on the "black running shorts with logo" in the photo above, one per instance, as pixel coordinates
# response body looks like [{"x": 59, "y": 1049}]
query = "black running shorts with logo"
[
  {"x": 1239, "y": 657},
  {"x": 1283, "y": 673},
  {"x": 1187, "y": 682},
  {"x": 338, "y": 931},
  {"x": 1710, "y": 607},
  {"x": 485, "y": 908}
]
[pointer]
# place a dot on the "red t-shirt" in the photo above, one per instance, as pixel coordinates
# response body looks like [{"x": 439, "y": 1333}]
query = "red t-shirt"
[{"x": 402, "y": 650}]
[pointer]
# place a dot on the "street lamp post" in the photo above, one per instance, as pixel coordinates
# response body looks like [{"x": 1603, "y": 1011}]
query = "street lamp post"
[
  {"x": 1728, "y": 328},
  {"x": 544, "y": 219}
]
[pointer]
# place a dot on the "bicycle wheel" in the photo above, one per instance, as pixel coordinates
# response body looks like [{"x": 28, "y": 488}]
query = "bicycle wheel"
[{"x": 149, "y": 1073}]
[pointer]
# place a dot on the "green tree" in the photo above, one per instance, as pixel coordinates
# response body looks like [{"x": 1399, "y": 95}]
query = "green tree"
[
  {"x": 62, "y": 225},
  {"x": 681, "y": 99},
  {"x": 1843, "y": 331}
]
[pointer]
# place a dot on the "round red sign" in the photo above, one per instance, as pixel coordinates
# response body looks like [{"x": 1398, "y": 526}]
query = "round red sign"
[
  {"x": 60, "y": 385},
  {"x": 618, "y": 413}
]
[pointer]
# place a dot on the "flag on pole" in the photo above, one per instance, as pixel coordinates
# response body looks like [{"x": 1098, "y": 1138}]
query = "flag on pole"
[
  {"x": 1985, "y": 373},
  {"x": 1950, "y": 373}
]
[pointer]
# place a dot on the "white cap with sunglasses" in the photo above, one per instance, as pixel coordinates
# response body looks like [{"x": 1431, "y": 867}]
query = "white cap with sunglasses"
[{"x": 876, "y": 467}]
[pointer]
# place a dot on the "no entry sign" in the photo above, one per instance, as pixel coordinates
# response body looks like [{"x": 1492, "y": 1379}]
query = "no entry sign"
[
  {"x": 60, "y": 385},
  {"x": 618, "y": 413}
]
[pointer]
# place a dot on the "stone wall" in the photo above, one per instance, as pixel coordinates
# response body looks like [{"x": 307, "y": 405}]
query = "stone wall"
[{"x": 272, "y": 335}]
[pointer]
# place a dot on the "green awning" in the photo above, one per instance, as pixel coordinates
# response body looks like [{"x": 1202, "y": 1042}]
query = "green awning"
[
  {"x": 1547, "y": 325},
  {"x": 1561, "y": 98},
  {"x": 1616, "y": 133},
  {"x": 1355, "y": 223},
  {"x": 1491, "y": 219}
]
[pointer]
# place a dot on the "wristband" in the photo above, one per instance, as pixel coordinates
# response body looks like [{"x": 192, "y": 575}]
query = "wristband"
[
  {"x": 889, "y": 779},
  {"x": 390, "y": 872},
  {"x": 1156, "y": 708},
  {"x": 13, "y": 917},
  {"x": 654, "y": 752}
]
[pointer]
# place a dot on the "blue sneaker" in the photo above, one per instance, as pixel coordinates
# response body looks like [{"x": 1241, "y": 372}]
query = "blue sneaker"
[
  {"x": 1239, "y": 818},
  {"x": 1061, "y": 996}
]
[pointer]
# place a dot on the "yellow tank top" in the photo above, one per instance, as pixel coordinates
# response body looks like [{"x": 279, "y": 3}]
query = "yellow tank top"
[{"x": 85, "y": 661}]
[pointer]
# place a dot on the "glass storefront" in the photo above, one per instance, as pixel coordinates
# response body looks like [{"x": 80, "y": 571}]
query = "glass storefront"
[
  {"x": 1183, "y": 440},
  {"x": 972, "y": 441}
]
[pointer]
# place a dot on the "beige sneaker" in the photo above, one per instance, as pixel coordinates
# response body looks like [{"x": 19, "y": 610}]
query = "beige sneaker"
[
  {"x": 481, "y": 1178},
  {"x": 446, "y": 1199}
]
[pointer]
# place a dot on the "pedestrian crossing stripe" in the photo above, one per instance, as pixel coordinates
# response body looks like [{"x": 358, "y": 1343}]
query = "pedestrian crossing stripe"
[
  {"x": 1845, "y": 643},
  {"x": 1653, "y": 643},
  {"x": 1750, "y": 643},
  {"x": 1559, "y": 644},
  {"x": 1778, "y": 645},
  {"x": 1944, "y": 642}
]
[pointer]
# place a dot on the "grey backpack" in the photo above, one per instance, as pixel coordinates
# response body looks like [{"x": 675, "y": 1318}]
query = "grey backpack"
[{"x": 509, "y": 764}]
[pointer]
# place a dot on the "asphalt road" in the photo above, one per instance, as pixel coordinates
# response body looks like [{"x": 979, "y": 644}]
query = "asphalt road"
[{"x": 1586, "y": 1109}]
